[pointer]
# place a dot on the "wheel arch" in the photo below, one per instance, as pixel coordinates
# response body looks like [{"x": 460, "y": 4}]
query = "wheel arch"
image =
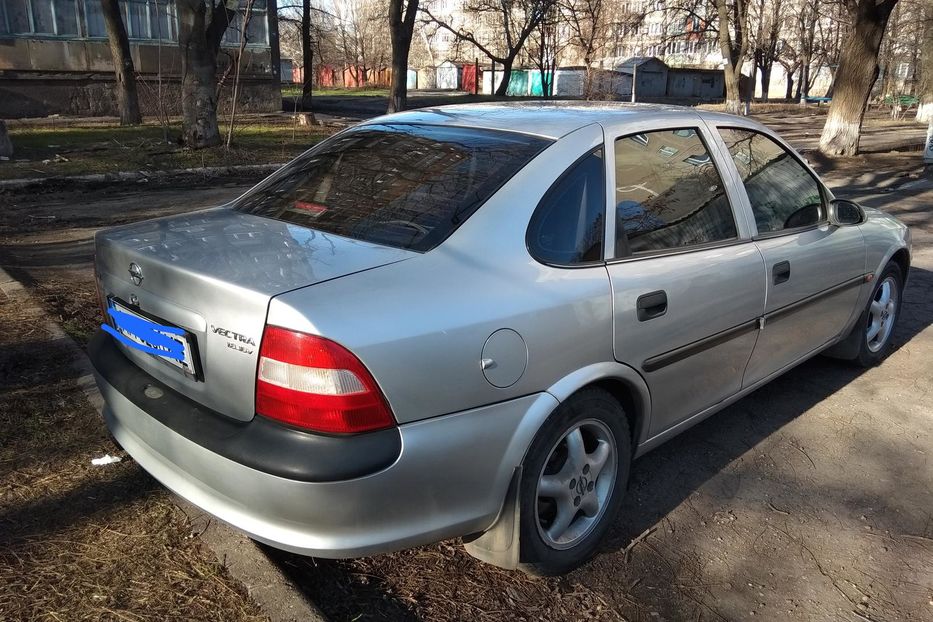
[
  {"x": 902, "y": 258},
  {"x": 499, "y": 543},
  {"x": 622, "y": 382}
]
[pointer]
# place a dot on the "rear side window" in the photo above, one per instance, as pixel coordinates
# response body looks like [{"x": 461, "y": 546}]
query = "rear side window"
[
  {"x": 408, "y": 186},
  {"x": 783, "y": 194},
  {"x": 669, "y": 194},
  {"x": 568, "y": 225}
]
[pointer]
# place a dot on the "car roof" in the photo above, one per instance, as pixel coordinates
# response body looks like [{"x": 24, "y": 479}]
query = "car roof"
[{"x": 552, "y": 119}]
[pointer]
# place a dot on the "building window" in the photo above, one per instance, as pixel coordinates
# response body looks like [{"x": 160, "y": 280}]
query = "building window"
[
  {"x": 256, "y": 27},
  {"x": 153, "y": 20},
  {"x": 40, "y": 17},
  {"x": 145, "y": 20}
]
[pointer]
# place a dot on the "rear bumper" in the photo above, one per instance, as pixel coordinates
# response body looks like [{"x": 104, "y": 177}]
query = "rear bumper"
[{"x": 449, "y": 478}]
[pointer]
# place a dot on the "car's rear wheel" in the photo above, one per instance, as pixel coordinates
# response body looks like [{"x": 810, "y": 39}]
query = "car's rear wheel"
[
  {"x": 573, "y": 482},
  {"x": 880, "y": 317}
]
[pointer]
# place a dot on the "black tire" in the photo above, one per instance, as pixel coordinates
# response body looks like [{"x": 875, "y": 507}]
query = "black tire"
[
  {"x": 869, "y": 356},
  {"x": 538, "y": 557}
]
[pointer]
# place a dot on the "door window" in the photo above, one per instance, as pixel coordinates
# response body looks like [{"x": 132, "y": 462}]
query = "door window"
[
  {"x": 669, "y": 194},
  {"x": 782, "y": 192},
  {"x": 567, "y": 227}
]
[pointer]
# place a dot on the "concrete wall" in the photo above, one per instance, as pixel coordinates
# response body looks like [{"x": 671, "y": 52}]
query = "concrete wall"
[
  {"x": 696, "y": 84},
  {"x": 41, "y": 97},
  {"x": 39, "y": 77}
]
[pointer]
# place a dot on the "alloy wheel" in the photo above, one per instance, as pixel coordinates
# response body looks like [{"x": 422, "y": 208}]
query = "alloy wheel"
[
  {"x": 576, "y": 483},
  {"x": 881, "y": 314}
]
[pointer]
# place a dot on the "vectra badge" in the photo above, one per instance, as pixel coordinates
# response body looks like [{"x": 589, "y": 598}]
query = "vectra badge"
[
  {"x": 136, "y": 273},
  {"x": 237, "y": 341}
]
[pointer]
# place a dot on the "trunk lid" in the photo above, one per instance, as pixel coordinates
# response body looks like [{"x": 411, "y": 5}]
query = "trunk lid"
[{"x": 212, "y": 273}]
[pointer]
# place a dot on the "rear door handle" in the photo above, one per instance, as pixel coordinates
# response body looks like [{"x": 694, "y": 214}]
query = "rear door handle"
[
  {"x": 781, "y": 272},
  {"x": 650, "y": 306}
]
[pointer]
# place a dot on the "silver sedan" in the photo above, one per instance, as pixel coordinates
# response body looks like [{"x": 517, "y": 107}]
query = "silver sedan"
[{"x": 467, "y": 321}]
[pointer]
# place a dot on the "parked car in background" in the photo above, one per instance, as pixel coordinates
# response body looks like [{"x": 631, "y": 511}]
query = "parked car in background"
[{"x": 467, "y": 321}]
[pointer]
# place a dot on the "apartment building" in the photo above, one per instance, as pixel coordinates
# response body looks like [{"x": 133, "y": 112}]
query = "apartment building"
[{"x": 55, "y": 57}]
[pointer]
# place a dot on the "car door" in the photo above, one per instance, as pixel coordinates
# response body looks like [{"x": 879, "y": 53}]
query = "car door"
[
  {"x": 814, "y": 269},
  {"x": 687, "y": 280}
]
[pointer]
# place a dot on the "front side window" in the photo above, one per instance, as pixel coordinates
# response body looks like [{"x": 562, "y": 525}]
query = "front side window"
[
  {"x": 669, "y": 194},
  {"x": 782, "y": 192},
  {"x": 568, "y": 225},
  {"x": 402, "y": 185}
]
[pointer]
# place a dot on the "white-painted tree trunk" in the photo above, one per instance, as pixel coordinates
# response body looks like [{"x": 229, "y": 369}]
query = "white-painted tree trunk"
[
  {"x": 928, "y": 152},
  {"x": 925, "y": 112},
  {"x": 855, "y": 76}
]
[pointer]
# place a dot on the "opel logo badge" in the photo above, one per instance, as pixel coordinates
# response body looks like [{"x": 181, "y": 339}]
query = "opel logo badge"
[
  {"x": 582, "y": 484},
  {"x": 136, "y": 273}
]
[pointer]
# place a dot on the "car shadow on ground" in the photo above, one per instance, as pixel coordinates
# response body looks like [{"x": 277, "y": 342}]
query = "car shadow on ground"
[{"x": 661, "y": 481}]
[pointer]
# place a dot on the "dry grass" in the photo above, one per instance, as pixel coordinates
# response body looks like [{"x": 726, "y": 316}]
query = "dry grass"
[
  {"x": 87, "y": 147},
  {"x": 79, "y": 542}
]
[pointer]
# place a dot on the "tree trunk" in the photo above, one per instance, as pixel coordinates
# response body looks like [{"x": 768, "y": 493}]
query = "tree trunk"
[
  {"x": 398, "y": 91},
  {"x": 733, "y": 90},
  {"x": 858, "y": 70},
  {"x": 307, "y": 55},
  {"x": 804, "y": 82},
  {"x": 506, "y": 75},
  {"x": 401, "y": 28},
  {"x": 925, "y": 90},
  {"x": 765, "y": 80},
  {"x": 789, "y": 92},
  {"x": 199, "y": 42},
  {"x": 127, "y": 99}
]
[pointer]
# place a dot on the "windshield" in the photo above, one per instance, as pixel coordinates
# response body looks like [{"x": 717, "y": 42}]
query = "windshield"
[{"x": 401, "y": 185}]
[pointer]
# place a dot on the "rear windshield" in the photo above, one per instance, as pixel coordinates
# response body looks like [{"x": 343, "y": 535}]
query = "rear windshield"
[{"x": 408, "y": 186}]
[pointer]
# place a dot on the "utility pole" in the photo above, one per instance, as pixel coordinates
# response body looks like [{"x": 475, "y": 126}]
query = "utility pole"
[{"x": 634, "y": 78}]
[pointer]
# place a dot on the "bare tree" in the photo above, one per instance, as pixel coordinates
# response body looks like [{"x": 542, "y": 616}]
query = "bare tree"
[
  {"x": 201, "y": 27},
  {"x": 545, "y": 45},
  {"x": 234, "y": 96},
  {"x": 402, "y": 15},
  {"x": 307, "y": 55},
  {"x": 925, "y": 89},
  {"x": 769, "y": 18},
  {"x": 586, "y": 22},
  {"x": 362, "y": 36},
  {"x": 307, "y": 34},
  {"x": 515, "y": 20},
  {"x": 127, "y": 99},
  {"x": 857, "y": 72},
  {"x": 733, "y": 42}
]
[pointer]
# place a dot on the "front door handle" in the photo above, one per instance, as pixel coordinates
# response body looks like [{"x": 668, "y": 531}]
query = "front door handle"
[
  {"x": 781, "y": 272},
  {"x": 650, "y": 306}
]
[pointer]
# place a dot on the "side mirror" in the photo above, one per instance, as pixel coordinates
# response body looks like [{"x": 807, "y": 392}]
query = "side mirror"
[{"x": 843, "y": 212}]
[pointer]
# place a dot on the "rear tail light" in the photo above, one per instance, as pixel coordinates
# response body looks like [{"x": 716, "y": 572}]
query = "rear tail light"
[{"x": 313, "y": 383}]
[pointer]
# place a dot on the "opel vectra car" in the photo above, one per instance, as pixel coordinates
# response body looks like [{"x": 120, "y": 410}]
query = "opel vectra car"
[{"x": 467, "y": 321}]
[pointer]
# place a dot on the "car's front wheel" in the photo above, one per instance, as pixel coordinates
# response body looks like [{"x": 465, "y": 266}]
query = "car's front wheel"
[
  {"x": 573, "y": 482},
  {"x": 879, "y": 319}
]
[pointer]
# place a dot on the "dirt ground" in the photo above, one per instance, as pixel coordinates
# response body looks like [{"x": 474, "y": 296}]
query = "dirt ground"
[
  {"x": 811, "y": 499},
  {"x": 79, "y": 541}
]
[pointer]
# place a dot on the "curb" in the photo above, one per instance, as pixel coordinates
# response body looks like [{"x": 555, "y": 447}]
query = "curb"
[
  {"x": 275, "y": 594},
  {"x": 208, "y": 172}
]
